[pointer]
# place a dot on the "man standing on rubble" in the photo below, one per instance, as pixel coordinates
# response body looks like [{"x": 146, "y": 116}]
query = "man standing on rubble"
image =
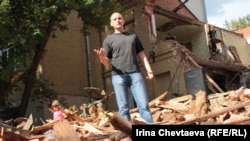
[{"x": 121, "y": 50}]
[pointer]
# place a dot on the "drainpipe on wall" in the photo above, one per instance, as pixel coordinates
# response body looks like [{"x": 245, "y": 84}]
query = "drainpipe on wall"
[
  {"x": 176, "y": 70},
  {"x": 86, "y": 36},
  {"x": 103, "y": 79}
]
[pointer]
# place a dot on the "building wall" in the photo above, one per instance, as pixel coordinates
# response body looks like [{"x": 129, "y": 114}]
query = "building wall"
[
  {"x": 64, "y": 59},
  {"x": 198, "y": 40},
  {"x": 64, "y": 63},
  {"x": 246, "y": 33},
  {"x": 238, "y": 41}
]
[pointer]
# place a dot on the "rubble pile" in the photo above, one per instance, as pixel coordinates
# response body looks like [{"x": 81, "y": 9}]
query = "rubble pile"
[{"x": 230, "y": 107}]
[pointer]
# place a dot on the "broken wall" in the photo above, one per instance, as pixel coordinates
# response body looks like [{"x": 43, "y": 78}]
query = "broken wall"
[{"x": 238, "y": 41}]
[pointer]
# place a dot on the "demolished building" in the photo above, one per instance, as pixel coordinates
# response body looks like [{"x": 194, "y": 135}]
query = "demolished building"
[{"x": 220, "y": 58}]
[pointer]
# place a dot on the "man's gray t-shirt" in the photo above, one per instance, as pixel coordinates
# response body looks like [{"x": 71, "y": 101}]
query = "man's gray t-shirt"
[{"x": 122, "y": 49}]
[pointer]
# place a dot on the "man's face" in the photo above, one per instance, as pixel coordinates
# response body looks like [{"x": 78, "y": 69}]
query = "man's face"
[{"x": 116, "y": 21}]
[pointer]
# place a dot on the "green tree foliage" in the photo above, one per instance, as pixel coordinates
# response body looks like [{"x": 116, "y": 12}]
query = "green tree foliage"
[
  {"x": 25, "y": 27},
  {"x": 239, "y": 23}
]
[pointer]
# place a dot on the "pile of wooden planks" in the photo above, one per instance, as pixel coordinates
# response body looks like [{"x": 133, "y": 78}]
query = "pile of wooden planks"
[{"x": 230, "y": 107}]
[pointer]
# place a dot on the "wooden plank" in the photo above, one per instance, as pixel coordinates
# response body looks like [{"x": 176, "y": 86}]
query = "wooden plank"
[
  {"x": 1, "y": 134},
  {"x": 169, "y": 117},
  {"x": 156, "y": 116},
  {"x": 214, "y": 105},
  {"x": 29, "y": 123},
  {"x": 120, "y": 123},
  {"x": 65, "y": 131},
  {"x": 182, "y": 98},
  {"x": 152, "y": 102},
  {"x": 200, "y": 104},
  {"x": 178, "y": 107},
  {"x": 214, "y": 114}
]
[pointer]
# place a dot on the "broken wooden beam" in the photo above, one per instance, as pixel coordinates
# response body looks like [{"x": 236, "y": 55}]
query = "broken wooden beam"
[
  {"x": 152, "y": 102},
  {"x": 214, "y": 114},
  {"x": 120, "y": 123}
]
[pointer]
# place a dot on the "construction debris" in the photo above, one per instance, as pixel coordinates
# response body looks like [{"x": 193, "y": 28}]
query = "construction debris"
[{"x": 230, "y": 107}]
